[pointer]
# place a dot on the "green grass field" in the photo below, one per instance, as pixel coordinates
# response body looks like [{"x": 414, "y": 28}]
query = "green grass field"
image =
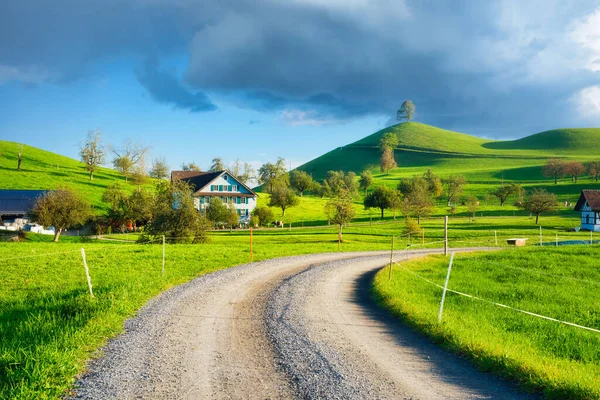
[{"x": 558, "y": 360}]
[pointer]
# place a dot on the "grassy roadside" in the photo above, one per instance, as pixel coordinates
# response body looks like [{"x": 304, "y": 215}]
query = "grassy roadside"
[{"x": 558, "y": 360}]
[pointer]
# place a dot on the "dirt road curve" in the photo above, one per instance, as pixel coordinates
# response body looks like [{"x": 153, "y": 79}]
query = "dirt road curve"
[{"x": 298, "y": 327}]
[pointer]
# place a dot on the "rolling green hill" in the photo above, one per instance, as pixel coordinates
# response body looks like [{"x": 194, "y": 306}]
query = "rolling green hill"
[
  {"x": 46, "y": 170},
  {"x": 423, "y": 146}
]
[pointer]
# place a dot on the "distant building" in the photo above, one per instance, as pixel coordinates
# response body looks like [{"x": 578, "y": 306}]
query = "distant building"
[
  {"x": 589, "y": 206},
  {"x": 219, "y": 184},
  {"x": 17, "y": 203}
]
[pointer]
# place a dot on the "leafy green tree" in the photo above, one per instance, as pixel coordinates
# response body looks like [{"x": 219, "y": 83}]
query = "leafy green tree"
[
  {"x": 233, "y": 219},
  {"x": 340, "y": 183},
  {"x": 92, "y": 152},
  {"x": 388, "y": 141},
  {"x": 264, "y": 214},
  {"x": 129, "y": 156},
  {"x": 340, "y": 211},
  {"x": 61, "y": 209},
  {"x": 411, "y": 227},
  {"x": 472, "y": 204},
  {"x": 217, "y": 165},
  {"x": 434, "y": 183},
  {"x": 138, "y": 207},
  {"x": 248, "y": 174},
  {"x": 269, "y": 172},
  {"x": 418, "y": 201},
  {"x": 554, "y": 168},
  {"x": 159, "y": 169},
  {"x": 594, "y": 169},
  {"x": 365, "y": 181},
  {"x": 175, "y": 216},
  {"x": 387, "y": 161},
  {"x": 190, "y": 167},
  {"x": 454, "y": 186},
  {"x": 540, "y": 201},
  {"x": 216, "y": 211},
  {"x": 406, "y": 111},
  {"x": 301, "y": 181},
  {"x": 283, "y": 197},
  {"x": 503, "y": 192},
  {"x": 381, "y": 197},
  {"x": 114, "y": 195}
]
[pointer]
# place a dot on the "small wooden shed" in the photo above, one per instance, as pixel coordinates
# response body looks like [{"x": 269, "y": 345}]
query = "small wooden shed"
[{"x": 589, "y": 206}]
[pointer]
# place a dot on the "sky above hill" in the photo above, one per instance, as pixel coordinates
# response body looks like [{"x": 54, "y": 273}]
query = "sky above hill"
[{"x": 258, "y": 79}]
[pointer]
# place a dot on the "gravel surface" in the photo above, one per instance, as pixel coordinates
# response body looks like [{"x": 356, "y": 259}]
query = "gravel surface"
[{"x": 296, "y": 327}]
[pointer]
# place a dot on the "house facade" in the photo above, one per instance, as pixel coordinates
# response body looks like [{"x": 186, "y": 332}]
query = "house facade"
[
  {"x": 589, "y": 206},
  {"x": 220, "y": 184}
]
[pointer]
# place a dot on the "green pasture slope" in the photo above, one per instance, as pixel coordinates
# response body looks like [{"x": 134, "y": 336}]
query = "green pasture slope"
[
  {"x": 558, "y": 360},
  {"x": 46, "y": 170}
]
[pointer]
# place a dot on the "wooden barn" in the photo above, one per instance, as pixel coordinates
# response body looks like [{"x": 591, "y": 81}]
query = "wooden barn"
[{"x": 589, "y": 206}]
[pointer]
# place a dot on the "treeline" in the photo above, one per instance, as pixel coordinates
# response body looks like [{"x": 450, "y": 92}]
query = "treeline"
[{"x": 556, "y": 169}]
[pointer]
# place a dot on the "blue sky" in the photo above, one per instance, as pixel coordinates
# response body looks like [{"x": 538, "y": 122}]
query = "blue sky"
[{"x": 259, "y": 79}]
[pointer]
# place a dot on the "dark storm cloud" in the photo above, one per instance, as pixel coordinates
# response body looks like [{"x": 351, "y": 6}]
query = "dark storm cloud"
[
  {"x": 493, "y": 68},
  {"x": 165, "y": 88}
]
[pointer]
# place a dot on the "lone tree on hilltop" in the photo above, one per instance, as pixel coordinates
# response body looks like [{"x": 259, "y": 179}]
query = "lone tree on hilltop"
[
  {"x": 554, "y": 168},
  {"x": 61, "y": 209},
  {"x": 93, "y": 152},
  {"x": 406, "y": 111},
  {"x": 540, "y": 201}
]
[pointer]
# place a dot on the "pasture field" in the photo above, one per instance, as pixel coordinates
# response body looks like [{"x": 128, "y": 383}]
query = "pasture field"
[{"x": 559, "y": 360}]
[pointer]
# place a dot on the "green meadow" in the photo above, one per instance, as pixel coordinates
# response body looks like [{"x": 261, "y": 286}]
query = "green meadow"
[{"x": 558, "y": 360}]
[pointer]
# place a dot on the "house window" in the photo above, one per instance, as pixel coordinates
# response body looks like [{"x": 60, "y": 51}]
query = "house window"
[
  {"x": 225, "y": 177},
  {"x": 229, "y": 188},
  {"x": 235, "y": 188},
  {"x": 202, "y": 200}
]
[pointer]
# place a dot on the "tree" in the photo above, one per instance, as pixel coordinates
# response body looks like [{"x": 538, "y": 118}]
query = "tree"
[
  {"x": 93, "y": 152},
  {"x": 454, "y": 186},
  {"x": 340, "y": 211},
  {"x": 20, "y": 157},
  {"x": 388, "y": 141},
  {"x": 61, "y": 209},
  {"x": 264, "y": 214},
  {"x": 554, "y": 168},
  {"x": 573, "y": 169},
  {"x": 175, "y": 216},
  {"x": 130, "y": 155},
  {"x": 387, "y": 144},
  {"x": 503, "y": 192},
  {"x": 339, "y": 183},
  {"x": 216, "y": 211},
  {"x": 217, "y": 165},
  {"x": 190, "y": 167},
  {"x": 381, "y": 197},
  {"x": 283, "y": 197},
  {"x": 406, "y": 111},
  {"x": 232, "y": 219},
  {"x": 472, "y": 204},
  {"x": 248, "y": 174},
  {"x": 434, "y": 183},
  {"x": 268, "y": 172},
  {"x": 418, "y": 202},
  {"x": 137, "y": 208},
  {"x": 138, "y": 174},
  {"x": 411, "y": 227},
  {"x": 159, "y": 169},
  {"x": 365, "y": 181},
  {"x": 594, "y": 169},
  {"x": 301, "y": 181},
  {"x": 114, "y": 195},
  {"x": 540, "y": 201}
]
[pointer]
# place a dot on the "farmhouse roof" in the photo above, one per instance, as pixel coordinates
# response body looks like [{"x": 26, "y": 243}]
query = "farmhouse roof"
[
  {"x": 17, "y": 202},
  {"x": 592, "y": 197},
  {"x": 200, "y": 180}
]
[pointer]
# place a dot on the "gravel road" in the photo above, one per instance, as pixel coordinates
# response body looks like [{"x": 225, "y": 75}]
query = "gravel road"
[{"x": 296, "y": 327}]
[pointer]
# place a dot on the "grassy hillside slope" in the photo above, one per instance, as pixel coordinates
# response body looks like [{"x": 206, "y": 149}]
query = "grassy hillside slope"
[
  {"x": 582, "y": 141},
  {"x": 46, "y": 170}
]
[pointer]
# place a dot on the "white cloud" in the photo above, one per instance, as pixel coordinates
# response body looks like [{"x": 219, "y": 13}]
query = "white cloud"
[
  {"x": 22, "y": 74},
  {"x": 587, "y": 102},
  {"x": 587, "y": 35},
  {"x": 300, "y": 118}
]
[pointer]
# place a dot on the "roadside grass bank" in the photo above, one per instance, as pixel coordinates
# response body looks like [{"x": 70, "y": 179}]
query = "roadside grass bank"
[{"x": 558, "y": 360}]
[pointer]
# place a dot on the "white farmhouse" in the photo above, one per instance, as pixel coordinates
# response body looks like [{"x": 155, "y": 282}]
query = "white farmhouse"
[
  {"x": 589, "y": 205},
  {"x": 221, "y": 184}
]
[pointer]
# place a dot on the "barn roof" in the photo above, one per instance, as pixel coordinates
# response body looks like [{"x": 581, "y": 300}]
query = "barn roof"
[
  {"x": 17, "y": 202},
  {"x": 592, "y": 197}
]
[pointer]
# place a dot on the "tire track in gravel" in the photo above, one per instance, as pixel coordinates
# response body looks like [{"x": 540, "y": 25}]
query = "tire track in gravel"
[{"x": 336, "y": 344}]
